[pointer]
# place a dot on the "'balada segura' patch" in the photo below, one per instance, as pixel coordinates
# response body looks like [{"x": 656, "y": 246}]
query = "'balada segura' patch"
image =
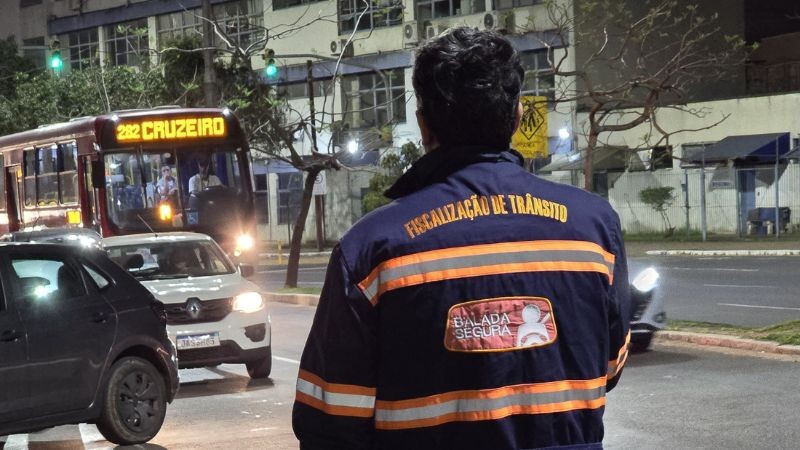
[
  {"x": 500, "y": 324},
  {"x": 478, "y": 206}
]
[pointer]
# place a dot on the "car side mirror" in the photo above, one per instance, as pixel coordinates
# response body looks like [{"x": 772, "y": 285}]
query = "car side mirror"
[
  {"x": 246, "y": 270},
  {"x": 130, "y": 262}
]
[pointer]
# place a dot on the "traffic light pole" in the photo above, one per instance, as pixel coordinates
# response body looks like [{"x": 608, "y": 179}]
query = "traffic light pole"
[{"x": 318, "y": 206}]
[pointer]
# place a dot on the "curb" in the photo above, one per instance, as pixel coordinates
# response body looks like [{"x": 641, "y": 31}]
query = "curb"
[
  {"x": 709, "y": 340},
  {"x": 786, "y": 252},
  {"x": 718, "y": 340}
]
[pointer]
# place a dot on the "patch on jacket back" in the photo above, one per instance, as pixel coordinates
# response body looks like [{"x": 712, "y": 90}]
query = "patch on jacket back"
[{"x": 500, "y": 324}]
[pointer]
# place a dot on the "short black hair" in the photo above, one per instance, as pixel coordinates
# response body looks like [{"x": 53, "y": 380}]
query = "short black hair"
[{"x": 468, "y": 84}]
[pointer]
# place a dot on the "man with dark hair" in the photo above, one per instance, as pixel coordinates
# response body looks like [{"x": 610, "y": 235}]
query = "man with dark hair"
[{"x": 484, "y": 308}]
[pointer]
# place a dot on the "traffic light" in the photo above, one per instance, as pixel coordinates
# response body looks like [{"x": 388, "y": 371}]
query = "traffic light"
[
  {"x": 56, "y": 63},
  {"x": 272, "y": 68}
]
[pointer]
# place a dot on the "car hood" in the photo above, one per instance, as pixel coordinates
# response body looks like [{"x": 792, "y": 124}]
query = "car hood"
[{"x": 177, "y": 290}]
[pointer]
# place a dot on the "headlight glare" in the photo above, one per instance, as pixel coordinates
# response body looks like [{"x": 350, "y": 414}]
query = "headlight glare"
[
  {"x": 245, "y": 242},
  {"x": 646, "y": 280},
  {"x": 248, "y": 302}
]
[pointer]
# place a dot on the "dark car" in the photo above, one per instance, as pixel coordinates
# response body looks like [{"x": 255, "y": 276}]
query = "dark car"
[
  {"x": 647, "y": 306},
  {"x": 82, "y": 237},
  {"x": 81, "y": 341}
]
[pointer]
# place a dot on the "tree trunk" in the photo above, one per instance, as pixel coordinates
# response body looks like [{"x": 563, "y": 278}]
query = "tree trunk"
[
  {"x": 209, "y": 75},
  {"x": 588, "y": 168},
  {"x": 299, "y": 227}
]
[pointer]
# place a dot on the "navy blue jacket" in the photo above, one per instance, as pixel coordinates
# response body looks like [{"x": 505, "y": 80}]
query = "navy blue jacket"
[{"x": 484, "y": 308}]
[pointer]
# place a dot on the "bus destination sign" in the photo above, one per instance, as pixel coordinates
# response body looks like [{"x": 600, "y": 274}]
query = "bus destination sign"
[{"x": 155, "y": 130}]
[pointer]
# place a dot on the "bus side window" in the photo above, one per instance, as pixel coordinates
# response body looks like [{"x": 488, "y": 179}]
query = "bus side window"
[
  {"x": 29, "y": 183},
  {"x": 68, "y": 173}
]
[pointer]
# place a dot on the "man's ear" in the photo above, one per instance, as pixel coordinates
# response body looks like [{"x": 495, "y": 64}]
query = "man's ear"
[
  {"x": 429, "y": 141},
  {"x": 518, "y": 116}
]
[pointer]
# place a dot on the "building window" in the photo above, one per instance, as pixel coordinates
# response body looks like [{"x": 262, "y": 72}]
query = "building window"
[
  {"x": 507, "y": 4},
  {"x": 692, "y": 154},
  {"x": 380, "y": 13},
  {"x": 290, "y": 196},
  {"x": 367, "y": 103},
  {"x": 241, "y": 21},
  {"x": 281, "y": 4},
  {"x": 127, "y": 43},
  {"x": 177, "y": 24},
  {"x": 83, "y": 48},
  {"x": 26, "y": 3},
  {"x": 539, "y": 78},
  {"x": 34, "y": 50},
  {"x": 661, "y": 158},
  {"x": 2, "y": 183},
  {"x": 434, "y": 9}
]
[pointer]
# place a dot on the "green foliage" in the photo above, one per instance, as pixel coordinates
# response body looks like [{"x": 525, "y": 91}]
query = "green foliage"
[
  {"x": 392, "y": 166},
  {"x": 183, "y": 70},
  {"x": 659, "y": 198},
  {"x": 11, "y": 65}
]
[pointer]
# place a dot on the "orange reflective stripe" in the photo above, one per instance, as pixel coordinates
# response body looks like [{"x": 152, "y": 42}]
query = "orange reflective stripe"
[
  {"x": 335, "y": 399},
  {"x": 486, "y": 404},
  {"x": 614, "y": 366}
]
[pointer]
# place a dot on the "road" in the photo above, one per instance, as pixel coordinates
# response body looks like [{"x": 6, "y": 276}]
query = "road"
[
  {"x": 742, "y": 290},
  {"x": 673, "y": 396}
]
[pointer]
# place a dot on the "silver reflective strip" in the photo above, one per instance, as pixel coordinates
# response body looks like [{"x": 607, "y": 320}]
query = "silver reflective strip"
[
  {"x": 463, "y": 262},
  {"x": 487, "y": 405},
  {"x": 335, "y": 399}
]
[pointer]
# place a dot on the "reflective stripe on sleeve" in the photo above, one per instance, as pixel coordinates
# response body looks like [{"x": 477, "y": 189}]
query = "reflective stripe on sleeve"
[
  {"x": 335, "y": 399},
  {"x": 489, "y": 404},
  {"x": 487, "y": 259},
  {"x": 615, "y": 365}
]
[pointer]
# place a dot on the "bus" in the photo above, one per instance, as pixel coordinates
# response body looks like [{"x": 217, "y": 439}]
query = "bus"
[{"x": 134, "y": 171}]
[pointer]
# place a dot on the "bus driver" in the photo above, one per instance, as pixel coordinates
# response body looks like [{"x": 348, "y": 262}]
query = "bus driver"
[{"x": 203, "y": 178}]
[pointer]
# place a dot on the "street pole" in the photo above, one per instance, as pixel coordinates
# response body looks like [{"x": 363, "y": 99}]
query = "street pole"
[
  {"x": 777, "y": 195},
  {"x": 703, "y": 196},
  {"x": 318, "y": 209},
  {"x": 209, "y": 76},
  {"x": 686, "y": 198}
]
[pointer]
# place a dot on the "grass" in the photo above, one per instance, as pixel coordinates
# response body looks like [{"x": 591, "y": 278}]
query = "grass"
[
  {"x": 300, "y": 290},
  {"x": 787, "y": 333}
]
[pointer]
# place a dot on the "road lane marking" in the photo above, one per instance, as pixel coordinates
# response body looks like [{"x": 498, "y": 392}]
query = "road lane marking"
[
  {"x": 302, "y": 269},
  {"x": 741, "y": 286},
  {"x": 759, "y": 306},
  {"x": 16, "y": 442},
  {"x": 718, "y": 269},
  {"x": 291, "y": 361},
  {"x": 89, "y": 433}
]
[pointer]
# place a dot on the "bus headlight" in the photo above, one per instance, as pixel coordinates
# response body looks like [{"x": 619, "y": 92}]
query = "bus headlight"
[
  {"x": 165, "y": 211},
  {"x": 248, "y": 302},
  {"x": 245, "y": 242}
]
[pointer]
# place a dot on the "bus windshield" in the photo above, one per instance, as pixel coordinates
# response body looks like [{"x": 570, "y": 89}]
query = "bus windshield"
[{"x": 140, "y": 182}]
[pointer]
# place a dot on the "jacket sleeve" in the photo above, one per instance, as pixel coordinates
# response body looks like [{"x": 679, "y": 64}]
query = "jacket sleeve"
[
  {"x": 619, "y": 306},
  {"x": 335, "y": 399}
]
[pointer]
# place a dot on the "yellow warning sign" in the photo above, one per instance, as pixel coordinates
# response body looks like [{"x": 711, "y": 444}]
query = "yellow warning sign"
[{"x": 531, "y": 136}]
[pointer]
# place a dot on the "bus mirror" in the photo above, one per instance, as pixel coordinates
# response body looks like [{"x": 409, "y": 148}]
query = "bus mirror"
[{"x": 98, "y": 178}]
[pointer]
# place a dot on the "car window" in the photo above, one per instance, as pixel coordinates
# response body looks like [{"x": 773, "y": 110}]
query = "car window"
[
  {"x": 163, "y": 260},
  {"x": 40, "y": 278},
  {"x": 100, "y": 280}
]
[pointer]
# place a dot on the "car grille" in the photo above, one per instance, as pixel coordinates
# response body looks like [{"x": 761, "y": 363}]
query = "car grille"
[{"x": 209, "y": 311}]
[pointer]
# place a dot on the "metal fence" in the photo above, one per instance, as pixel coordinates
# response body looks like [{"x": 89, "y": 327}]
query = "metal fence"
[{"x": 730, "y": 200}]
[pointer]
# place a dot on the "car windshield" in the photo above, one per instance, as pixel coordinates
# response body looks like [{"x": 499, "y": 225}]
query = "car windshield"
[{"x": 165, "y": 260}]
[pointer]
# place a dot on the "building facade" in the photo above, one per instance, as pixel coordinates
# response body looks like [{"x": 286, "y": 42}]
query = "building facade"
[{"x": 361, "y": 56}]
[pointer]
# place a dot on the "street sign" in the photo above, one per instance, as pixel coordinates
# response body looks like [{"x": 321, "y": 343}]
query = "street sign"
[
  {"x": 320, "y": 184},
  {"x": 530, "y": 138}
]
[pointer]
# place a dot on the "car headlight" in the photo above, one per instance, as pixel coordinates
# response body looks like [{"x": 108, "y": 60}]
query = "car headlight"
[
  {"x": 248, "y": 302},
  {"x": 245, "y": 242},
  {"x": 646, "y": 280}
]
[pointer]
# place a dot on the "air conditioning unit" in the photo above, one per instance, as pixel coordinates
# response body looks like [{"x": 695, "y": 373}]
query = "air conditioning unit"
[
  {"x": 434, "y": 29},
  {"x": 410, "y": 34},
  {"x": 340, "y": 46},
  {"x": 502, "y": 22}
]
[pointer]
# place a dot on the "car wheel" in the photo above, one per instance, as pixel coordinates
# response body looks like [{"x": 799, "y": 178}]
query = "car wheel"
[
  {"x": 135, "y": 402},
  {"x": 641, "y": 342},
  {"x": 260, "y": 368}
]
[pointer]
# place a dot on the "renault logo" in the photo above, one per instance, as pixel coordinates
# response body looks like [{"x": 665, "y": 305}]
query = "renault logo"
[{"x": 193, "y": 307}]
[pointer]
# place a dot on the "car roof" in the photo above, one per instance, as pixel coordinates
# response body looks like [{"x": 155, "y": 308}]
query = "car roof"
[{"x": 151, "y": 238}]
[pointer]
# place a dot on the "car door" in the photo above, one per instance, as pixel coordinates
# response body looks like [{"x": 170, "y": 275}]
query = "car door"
[
  {"x": 13, "y": 359},
  {"x": 70, "y": 329}
]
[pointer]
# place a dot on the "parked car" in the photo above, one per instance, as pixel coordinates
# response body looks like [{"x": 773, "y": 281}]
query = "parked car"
[
  {"x": 214, "y": 314},
  {"x": 647, "y": 306},
  {"x": 81, "y": 341}
]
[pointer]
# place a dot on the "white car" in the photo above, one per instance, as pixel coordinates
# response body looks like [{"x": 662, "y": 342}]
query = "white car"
[{"x": 214, "y": 315}]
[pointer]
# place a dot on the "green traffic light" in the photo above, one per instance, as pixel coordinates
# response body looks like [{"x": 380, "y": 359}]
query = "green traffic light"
[
  {"x": 271, "y": 70},
  {"x": 55, "y": 61}
]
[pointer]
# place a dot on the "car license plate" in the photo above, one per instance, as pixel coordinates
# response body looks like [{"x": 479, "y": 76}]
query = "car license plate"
[{"x": 198, "y": 341}]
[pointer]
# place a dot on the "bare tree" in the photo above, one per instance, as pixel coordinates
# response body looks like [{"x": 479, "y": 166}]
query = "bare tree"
[{"x": 633, "y": 58}]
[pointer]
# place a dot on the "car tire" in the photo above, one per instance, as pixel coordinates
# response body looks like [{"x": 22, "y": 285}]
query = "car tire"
[
  {"x": 260, "y": 368},
  {"x": 641, "y": 342},
  {"x": 134, "y": 402}
]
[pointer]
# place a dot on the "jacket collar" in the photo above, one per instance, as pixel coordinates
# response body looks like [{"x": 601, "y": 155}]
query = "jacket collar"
[{"x": 437, "y": 165}]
